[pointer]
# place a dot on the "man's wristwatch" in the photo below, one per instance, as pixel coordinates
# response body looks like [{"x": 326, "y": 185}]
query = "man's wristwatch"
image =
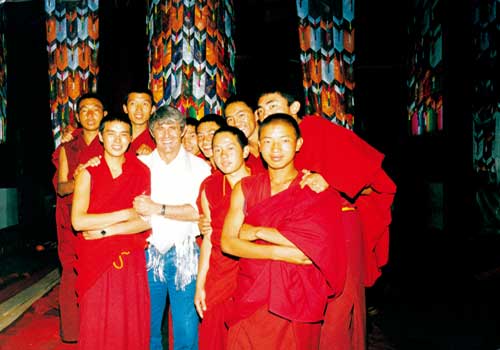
[
  {"x": 163, "y": 208},
  {"x": 103, "y": 232}
]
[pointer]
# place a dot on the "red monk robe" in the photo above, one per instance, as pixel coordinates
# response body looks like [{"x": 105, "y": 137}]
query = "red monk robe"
[
  {"x": 112, "y": 283},
  {"x": 349, "y": 164},
  {"x": 293, "y": 296},
  {"x": 144, "y": 138},
  {"x": 221, "y": 277},
  {"x": 256, "y": 164},
  {"x": 68, "y": 305}
]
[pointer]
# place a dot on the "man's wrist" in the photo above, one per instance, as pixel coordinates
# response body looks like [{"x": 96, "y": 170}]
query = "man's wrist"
[{"x": 163, "y": 209}]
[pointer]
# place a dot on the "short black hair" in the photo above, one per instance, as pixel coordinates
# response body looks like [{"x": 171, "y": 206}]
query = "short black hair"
[
  {"x": 119, "y": 117},
  {"x": 139, "y": 90},
  {"x": 192, "y": 121},
  {"x": 239, "y": 98},
  {"x": 87, "y": 96},
  {"x": 283, "y": 118},
  {"x": 217, "y": 119},
  {"x": 240, "y": 135}
]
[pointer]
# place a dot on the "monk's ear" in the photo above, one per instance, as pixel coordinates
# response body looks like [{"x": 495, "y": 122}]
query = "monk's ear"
[
  {"x": 100, "y": 137},
  {"x": 105, "y": 113},
  {"x": 125, "y": 109},
  {"x": 246, "y": 151},
  {"x": 295, "y": 107},
  {"x": 300, "y": 141},
  {"x": 153, "y": 109}
]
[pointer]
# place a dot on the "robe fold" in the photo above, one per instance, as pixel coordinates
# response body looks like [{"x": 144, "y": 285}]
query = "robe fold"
[
  {"x": 349, "y": 164},
  {"x": 312, "y": 222},
  {"x": 221, "y": 278}
]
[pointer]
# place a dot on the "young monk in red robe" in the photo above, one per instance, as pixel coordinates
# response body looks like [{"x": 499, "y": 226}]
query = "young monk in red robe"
[
  {"x": 112, "y": 283},
  {"x": 139, "y": 107},
  {"x": 216, "y": 280},
  {"x": 205, "y": 130},
  {"x": 290, "y": 260},
  {"x": 354, "y": 168},
  {"x": 240, "y": 115},
  {"x": 67, "y": 159}
]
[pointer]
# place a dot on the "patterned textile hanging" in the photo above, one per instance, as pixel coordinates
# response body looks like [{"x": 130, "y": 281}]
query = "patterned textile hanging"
[
  {"x": 425, "y": 78},
  {"x": 3, "y": 76},
  {"x": 326, "y": 35},
  {"x": 191, "y": 54},
  {"x": 72, "y": 45}
]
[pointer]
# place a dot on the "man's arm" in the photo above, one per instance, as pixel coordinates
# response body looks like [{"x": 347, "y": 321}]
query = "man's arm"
[
  {"x": 268, "y": 234},
  {"x": 232, "y": 244},
  {"x": 145, "y": 206},
  {"x": 128, "y": 227},
  {"x": 83, "y": 221}
]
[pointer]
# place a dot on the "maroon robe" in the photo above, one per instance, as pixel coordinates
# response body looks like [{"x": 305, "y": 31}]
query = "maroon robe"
[
  {"x": 68, "y": 304},
  {"x": 256, "y": 164},
  {"x": 222, "y": 274},
  {"x": 113, "y": 314},
  {"x": 349, "y": 165},
  {"x": 144, "y": 138},
  {"x": 297, "y": 293}
]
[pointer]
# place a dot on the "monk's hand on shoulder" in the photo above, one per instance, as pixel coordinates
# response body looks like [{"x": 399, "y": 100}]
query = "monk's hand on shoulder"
[
  {"x": 314, "y": 181},
  {"x": 199, "y": 301},
  {"x": 143, "y": 150},
  {"x": 291, "y": 255},
  {"x": 67, "y": 134},
  {"x": 205, "y": 225},
  {"x": 248, "y": 232},
  {"x": 95, "y": 161}
]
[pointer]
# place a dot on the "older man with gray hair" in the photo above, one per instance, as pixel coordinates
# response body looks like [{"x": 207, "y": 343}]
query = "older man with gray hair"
[{"x": 172, "y": 254}]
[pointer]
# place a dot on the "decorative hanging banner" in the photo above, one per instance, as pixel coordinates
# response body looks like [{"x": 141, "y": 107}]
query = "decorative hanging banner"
[
  {"x": 191, "y": 54},
  {"x": 72, "y": 46},
  {"x": 3, "y": 75},
  {"x": 326, "y": 35}
]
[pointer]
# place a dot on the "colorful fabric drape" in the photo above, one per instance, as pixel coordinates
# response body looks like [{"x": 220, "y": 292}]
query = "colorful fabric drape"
[
  {"x": 191, "y": 54},
  {"x": 425, "y": 102},
  {"x": 3, "y": 76},
  {"x": 326, "y": 35},
  {"x": 72, "y": 45}
]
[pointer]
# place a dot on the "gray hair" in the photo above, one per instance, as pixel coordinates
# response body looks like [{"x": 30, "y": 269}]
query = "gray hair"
[{"x": 167, "y": 114}]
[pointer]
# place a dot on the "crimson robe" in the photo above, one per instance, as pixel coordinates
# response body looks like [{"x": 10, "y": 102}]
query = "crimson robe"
[
  {"x": 144, "y": 138},
  {"x": 349, "y": 164},
  {"x": 256, "y": 164},
  {"x": 68, "y": 305},
  {"x": 311, "y": 221},
  {"x": 112, "y": 281},
  {"x": 222, "y": 274}
]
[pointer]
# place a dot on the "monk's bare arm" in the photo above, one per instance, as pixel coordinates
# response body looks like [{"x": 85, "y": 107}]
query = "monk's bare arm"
[
  {"x": 232, "y": 244},
  {"x": 145, "y": 206},
  {"x": 82, "y": 220},
  {"x": 204, "y": 260},
  {"x": 128, "y": 227},
  {"x": 65, "y": 186}
]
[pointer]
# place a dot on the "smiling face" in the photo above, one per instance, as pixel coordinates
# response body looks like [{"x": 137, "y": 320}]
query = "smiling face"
[
  {"x": 240, "y": 115},
  {"x": 115, "y": 137},
  {"x": 168, "y": 136},
  {"x": 190, "y": 140},
  {"x": 90, "y": 114},
  {"x": 278, "y": 144},
  {"x": 205, "y": 133},
  {"x": 139, "y": 108},
  {"x": 228, "y": 154}
]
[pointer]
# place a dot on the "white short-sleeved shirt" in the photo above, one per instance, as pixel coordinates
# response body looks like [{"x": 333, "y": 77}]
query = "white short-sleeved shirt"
[{"x": 176, "y": 183}]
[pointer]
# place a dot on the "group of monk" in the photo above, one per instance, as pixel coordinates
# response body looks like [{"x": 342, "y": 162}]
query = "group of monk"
[{"x": 260, "y": 227}]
